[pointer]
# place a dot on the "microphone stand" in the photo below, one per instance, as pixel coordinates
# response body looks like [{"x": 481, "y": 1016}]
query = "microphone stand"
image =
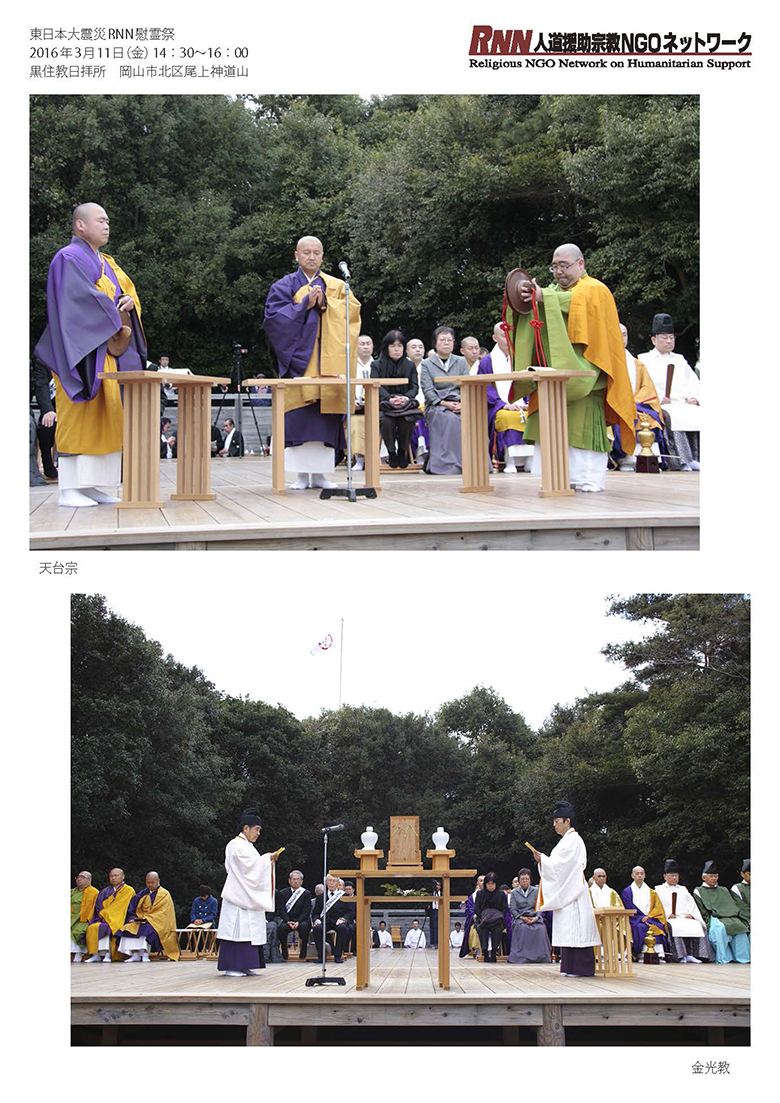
[
  {"x": 348, "y": 492},
  {"x": 322, "y": 979}
]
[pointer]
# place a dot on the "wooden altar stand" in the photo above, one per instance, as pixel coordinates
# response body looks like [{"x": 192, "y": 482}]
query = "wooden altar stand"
[
  {"x": 278, "y": 411},
  {"x": 553, "y": 428},
  {"x": 141, "y": 436},
  {"x": 613, "y": 956},
  {"x": 369, "y": 870}
]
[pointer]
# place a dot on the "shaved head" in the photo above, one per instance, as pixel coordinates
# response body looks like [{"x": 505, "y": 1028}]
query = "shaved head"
[
  {"x": 308, "y": 255},
  {"x": 90, "y": 223},
  {"x": 308, "y": 240},
  {"x": 568, "y": 265}
]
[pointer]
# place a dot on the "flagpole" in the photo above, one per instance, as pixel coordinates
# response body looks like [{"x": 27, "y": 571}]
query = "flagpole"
[{"x": 341, "y": 661}]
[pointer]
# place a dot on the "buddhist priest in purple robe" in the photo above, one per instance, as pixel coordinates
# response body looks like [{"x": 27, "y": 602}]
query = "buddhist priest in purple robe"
[
  {"x": 91, "y": 305},
  {"x": 305, "y": 319}
]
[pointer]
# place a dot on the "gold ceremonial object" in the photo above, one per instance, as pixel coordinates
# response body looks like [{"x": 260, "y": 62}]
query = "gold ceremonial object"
[{"x": 645, "y": 436}]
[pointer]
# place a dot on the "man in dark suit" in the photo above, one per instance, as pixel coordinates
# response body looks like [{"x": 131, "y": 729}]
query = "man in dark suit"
[
  {"x": 339, "y": 917},
  {"x": 234, "y": 442},
  {"x": 293, "y": 908}
]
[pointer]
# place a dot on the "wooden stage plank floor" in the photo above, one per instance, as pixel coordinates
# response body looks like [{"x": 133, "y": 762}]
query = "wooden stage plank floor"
[
  {"x": 413, "y": 511},
  {"x": 404, "y": 991}
]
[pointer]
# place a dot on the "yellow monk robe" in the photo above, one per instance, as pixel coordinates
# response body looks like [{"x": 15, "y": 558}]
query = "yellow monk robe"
[
  {"x": 113, "y": 913},
  {"x": 162, "y": 917},
  {"x": 593, "y": 332},
  {"x": 328, "y": 354},
  {"x": 94, "y": 428},
  {"x": 644, "y": 390},
  {"x": 81, "y": 911}
]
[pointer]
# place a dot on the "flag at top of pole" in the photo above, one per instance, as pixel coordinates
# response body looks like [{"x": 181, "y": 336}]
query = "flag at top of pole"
[{"x": 325, "y": 643}]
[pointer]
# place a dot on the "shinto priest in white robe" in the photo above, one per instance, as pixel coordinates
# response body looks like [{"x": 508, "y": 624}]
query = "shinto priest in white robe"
[
  {"x": 248, "y": 893},
  {"x": 564, "y": 892}
]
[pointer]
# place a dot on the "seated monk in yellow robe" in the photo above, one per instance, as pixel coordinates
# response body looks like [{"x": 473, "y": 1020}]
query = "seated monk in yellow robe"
[
  {"x": 110, "y": 910},
  {"x": 150, "y": 923}
]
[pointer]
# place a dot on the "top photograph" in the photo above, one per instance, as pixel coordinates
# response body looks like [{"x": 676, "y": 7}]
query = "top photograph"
[{"x": 408, "y": 322}]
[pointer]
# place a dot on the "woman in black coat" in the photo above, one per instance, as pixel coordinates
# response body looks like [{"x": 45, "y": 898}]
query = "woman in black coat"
[
  {"x": 398, "y": 409},
  {"x": 490, "y": 915}
]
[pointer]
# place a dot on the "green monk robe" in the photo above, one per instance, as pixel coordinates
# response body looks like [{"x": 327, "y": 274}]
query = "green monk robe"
[
  {"x": 719, "y": 902},
  {"x": 584, "y": 395},
  {"x": 82, "y": 907},
  {"x": 742, "y": 892}
]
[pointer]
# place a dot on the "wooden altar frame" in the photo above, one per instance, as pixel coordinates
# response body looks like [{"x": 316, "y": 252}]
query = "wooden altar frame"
[
  {"x": 369, "y": 870},
  {"x": 553, "y": 428},
  {"x": 371, "y": 478},
  {"x": 141, "y": 436},
  {"x": 613, "y": 956}
]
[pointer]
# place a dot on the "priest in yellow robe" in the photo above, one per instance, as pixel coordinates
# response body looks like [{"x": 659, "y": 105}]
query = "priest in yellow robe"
[
  {"x": 150, "y": 923},
  {"x": 110, "y": 910}
]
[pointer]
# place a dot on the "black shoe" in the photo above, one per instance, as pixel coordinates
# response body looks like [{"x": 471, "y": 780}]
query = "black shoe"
[
  {"x": 403, "y": 461},
  {"x": 338, "y": 960},
  {"x": 392, "y": 459}
]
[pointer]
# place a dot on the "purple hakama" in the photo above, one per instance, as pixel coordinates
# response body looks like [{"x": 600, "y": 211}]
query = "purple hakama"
[{"x": 238, "y": 957}]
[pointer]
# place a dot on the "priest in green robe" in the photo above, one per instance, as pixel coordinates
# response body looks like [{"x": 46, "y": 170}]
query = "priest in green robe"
[
  {"x": 726, "y": 916},
  {"x": 580, "y": 332},
  {"x": 82, "y": 909},
  {"x": 742, "y": 888}
]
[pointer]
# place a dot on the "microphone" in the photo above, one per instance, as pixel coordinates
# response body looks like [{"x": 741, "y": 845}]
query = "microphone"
[
  {"x": 335, "y": 827},
  {"x": 344, "y": 269}
]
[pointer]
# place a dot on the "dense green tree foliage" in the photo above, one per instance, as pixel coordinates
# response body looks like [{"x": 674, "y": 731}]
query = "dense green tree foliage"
[
  {"x": 163, "y": 763},
  {"x": 432, "y": 199}
]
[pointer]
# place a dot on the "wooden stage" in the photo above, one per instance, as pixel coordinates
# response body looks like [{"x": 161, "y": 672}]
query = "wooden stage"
[
  {"x": 404, "y": 992},
  {"x": 413, "y": 511}
]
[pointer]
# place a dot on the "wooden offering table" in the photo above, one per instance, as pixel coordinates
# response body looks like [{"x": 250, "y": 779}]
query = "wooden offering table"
[
  {"x": 369, "y": 870},
  {"x": 613, "y": 956},
  {"x": 553, "y": 428},
  {"x": 277, "y": 419},
  {"x": 141, "y": 436}
]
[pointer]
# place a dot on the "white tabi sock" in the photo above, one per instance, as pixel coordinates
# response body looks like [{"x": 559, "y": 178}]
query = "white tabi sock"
[
  {"x": 135, "y": 956},
  {"x": 231, "y": 973},
  {"x": 510, "y": 467},
  {"x": 77, "y": 957},
  {"x": 98, "y": 496},
  {"x": 301, "y": 483},
  {"x": 95, "y": 957},
  {"x": 321, "y": 483},
  {"x": 107, "y": 958},
  {"x": 74, "y": 499},
  {"x": 358, "y": 464},
  {"x": 146, "y": 958}
]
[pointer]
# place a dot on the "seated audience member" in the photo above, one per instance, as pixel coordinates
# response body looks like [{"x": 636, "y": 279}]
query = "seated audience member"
[
  {"x": 505, "y": 417},
  {"x": 530, "y": 941},
  {"x": 681, "y": 422},
  {"x": 647, "y": 402},
  {"x": 727, "y": 918},
  {"x": 442, "y": 404},
  {"x": 271, "y": 951},
  {"x": 217, "y": 441},
  {"x": 205, "y": 906},
  {"x": 82, "y": 910},
  {"x": 382, "y": 939},
  {"x": 415, "y": 938},
  {"x": 742, "y": 888},
  {"x": 469, "y": 350},
  {"x": 166, "y": 432},
  {"x": 357, "y": 421},
  {"x": 688, "y": 930},
  {"x": 43, "y": 388},
  {"x": 233, "y": 444},
  {"x": 420, "y": 441},
  {"x": 150, "y": 923},
  {"x": 293, "y": 906},
  {"x": 491, "y": 916},
  {"x": 470, "y": 936},
  {"x": 649, "y": 918},
  {"x": 601, "y": 894},
  {"x": 339, "y": 916},
  {"x": 109, "y": 915},
  {"x": 456, "y": 937},
  {"x": 398, "y": 407}
]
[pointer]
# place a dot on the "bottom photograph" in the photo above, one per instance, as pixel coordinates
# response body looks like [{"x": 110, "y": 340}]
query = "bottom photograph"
[{"x": 318, "y": 830}]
